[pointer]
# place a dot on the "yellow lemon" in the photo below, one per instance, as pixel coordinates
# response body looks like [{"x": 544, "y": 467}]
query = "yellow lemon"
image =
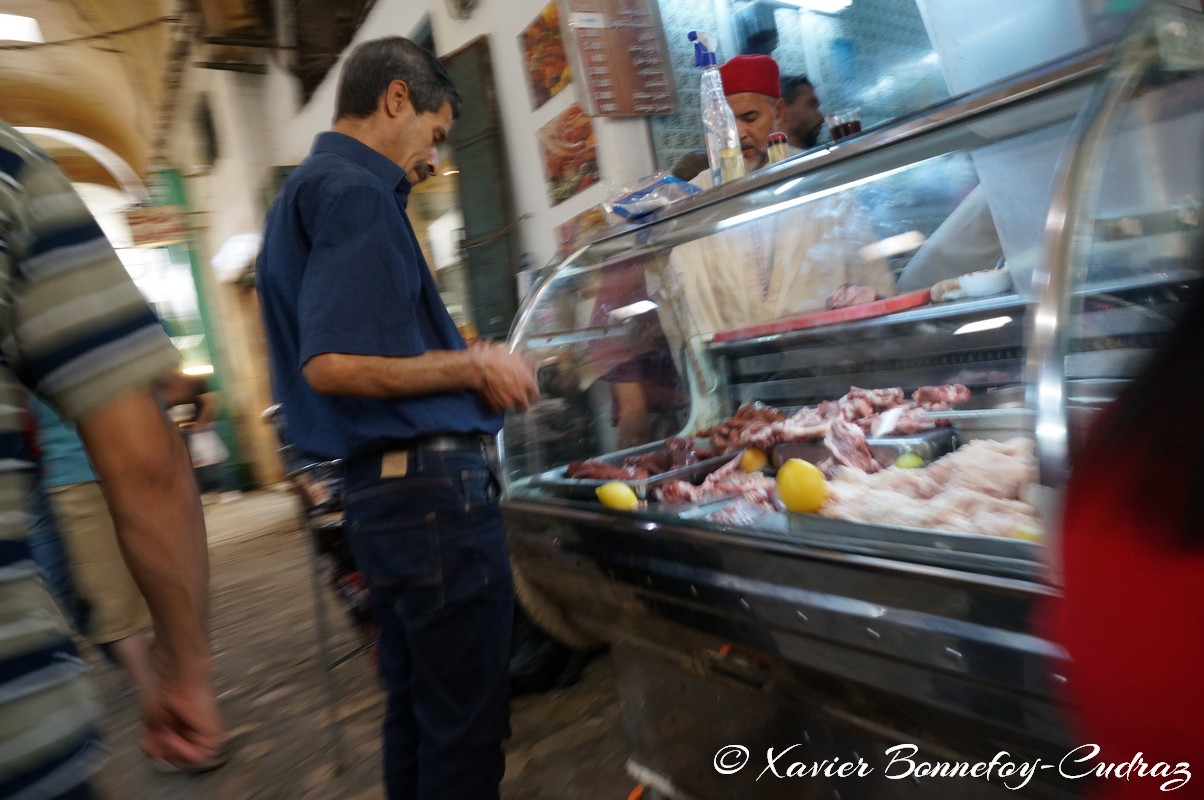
[
  {"x": 753, "y": 460},
  {"x": 909, "y": 460},
  {"x": 801, "y": 485},
  {"x": 1028, "y": 533},
  {"x": 616, "y": 494}
]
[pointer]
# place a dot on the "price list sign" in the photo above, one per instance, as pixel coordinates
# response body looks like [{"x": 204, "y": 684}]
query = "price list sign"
[{"x": 621, "y": 57}]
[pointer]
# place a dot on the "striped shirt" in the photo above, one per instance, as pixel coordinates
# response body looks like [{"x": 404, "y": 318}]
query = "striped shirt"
[{"x": 75, "y": 329}]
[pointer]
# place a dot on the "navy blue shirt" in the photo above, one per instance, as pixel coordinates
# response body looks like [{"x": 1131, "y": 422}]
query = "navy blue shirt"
[{"x": 341, "y": 272}]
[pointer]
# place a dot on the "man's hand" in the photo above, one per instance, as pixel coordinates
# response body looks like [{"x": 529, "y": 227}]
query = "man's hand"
[
  {"x": 507, "y": 380},
  {"x": 182, "y": 725}
]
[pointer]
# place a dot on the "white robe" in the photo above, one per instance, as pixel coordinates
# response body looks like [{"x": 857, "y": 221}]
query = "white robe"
[{"x": 773, "y": 267}]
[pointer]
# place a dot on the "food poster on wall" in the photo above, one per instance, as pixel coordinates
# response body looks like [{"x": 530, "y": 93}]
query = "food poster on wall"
[
  {"x": 580, "y": 229},
  {"x": 544, "y": 58},
  {"x": 569, "y": 154}
]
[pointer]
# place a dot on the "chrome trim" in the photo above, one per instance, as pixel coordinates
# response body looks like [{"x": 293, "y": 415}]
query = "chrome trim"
[
  {"x": 1068, "y": 231},
  {"x": 693, "y": 532}
]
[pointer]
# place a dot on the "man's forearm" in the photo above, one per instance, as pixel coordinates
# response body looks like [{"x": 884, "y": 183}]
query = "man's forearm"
[
  {"x": 504, "y": 381},
  {"x": 380, "y": 376},
  {"x": 147, "y": 478}
]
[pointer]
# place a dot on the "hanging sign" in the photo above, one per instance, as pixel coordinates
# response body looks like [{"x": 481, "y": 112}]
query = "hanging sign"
[
  {"x": 152, "y": 226},
  {"x": 621, "y": 56}
]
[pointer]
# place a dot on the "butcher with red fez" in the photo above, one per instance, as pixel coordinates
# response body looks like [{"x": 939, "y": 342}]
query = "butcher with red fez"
[
  {"x": 778, "y": 265},
  {"x": 754, "y": 92}
]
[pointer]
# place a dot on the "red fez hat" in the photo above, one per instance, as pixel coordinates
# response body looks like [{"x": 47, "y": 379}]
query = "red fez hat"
[{"x": 751, "y": 73}]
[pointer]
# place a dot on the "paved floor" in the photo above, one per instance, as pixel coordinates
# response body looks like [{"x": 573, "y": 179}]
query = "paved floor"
[{"x": 566, "y": 743}]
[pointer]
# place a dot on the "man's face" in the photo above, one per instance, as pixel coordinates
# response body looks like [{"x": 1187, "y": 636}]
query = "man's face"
[
  {"x": 425, "y": 168},
  {"x": 804, "y": 120},
  {"x": 757, "y": 116},
  {"x": 417, "y": 135}
]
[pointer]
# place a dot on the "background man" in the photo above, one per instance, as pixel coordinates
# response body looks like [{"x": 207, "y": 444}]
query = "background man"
[
  {"x": 371, "y": 369},
  {"x": 75, "y": 329},
  {"x": 803, "y": 119}
]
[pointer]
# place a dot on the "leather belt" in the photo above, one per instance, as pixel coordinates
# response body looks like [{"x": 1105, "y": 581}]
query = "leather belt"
[{"x": 448, "y": 443}]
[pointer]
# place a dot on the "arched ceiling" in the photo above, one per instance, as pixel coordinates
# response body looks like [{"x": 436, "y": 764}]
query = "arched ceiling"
[
  {"x": 100, "y": 74},
  {"x": 110, "y": 70}
]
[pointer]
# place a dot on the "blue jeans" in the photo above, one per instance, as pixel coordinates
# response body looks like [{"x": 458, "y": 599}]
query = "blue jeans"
[{"x": 429, "y": 541}]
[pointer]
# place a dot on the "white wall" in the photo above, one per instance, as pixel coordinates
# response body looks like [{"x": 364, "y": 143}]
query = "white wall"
[
  {"x": 261, "y": 125},
  {"x": 624, "y": 145}
]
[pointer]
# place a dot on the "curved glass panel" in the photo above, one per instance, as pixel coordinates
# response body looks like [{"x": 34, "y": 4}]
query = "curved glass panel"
[{"x": 1137, "y": 255}]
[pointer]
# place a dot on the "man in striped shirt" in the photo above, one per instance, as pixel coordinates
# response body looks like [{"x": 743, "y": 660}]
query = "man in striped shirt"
[{"x": 75, "y": 330}]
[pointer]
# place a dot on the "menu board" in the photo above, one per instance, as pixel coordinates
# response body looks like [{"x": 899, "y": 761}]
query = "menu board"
[{"x": 621, "y": 57}]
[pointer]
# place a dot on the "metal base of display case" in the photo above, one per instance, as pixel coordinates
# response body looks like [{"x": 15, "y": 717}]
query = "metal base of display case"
[{"x": 721, "y": 639}]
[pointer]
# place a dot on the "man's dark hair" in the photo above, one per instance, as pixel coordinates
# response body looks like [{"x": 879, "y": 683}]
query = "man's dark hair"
[
  {"x": 791, "y": 84},
  {"x": 374, "y": 64}
]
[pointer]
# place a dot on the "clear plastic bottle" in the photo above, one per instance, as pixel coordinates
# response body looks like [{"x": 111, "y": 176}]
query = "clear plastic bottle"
[
  {"x": 722, "y": 135},
  {"x": 778, "y": 147}
]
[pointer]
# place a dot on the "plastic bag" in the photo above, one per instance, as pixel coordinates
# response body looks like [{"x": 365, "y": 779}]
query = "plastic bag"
[{"x": 649, "y": 193}]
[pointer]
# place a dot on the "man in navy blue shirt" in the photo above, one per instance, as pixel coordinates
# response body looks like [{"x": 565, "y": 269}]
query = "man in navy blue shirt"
[{"x": 371, "y": 369}]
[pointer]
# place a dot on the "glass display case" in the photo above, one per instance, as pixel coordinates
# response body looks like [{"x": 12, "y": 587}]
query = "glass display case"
[
  {"x": 859, "y": 308},
  {"x": 932, "y": 337}
]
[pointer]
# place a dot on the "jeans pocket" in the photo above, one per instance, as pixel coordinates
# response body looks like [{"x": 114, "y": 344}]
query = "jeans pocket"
[
  {"x": 479, "y": 487},
  {"x": 401, "y": 555}
]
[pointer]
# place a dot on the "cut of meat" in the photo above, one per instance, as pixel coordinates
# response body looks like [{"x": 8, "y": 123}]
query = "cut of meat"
[
  {"x": 879, "y": 399},
  {"x": 679, "y": 492},
  {"x": 810, "y": 422},
  {"x": 847, "y": 444},
  {"x": 850, "y": 294},
  {"x": 900, "y": 420},
  {"x": 727, "y": 481},
  {"x": 730, "y": 433},
  {"x": 677, "y": 452},
  {"x": 940, "y": 397},
  {"x": 601, "y": 471}
]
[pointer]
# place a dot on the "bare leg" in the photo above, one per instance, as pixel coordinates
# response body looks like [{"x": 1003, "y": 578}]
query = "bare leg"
[{"x": 133, "y": 653}]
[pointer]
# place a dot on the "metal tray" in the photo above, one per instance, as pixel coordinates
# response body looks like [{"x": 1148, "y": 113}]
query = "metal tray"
[
  {"x": 998, "y": 414},
  {"x": 929, "y": 445},
  {"x": 558, "y": 483}
]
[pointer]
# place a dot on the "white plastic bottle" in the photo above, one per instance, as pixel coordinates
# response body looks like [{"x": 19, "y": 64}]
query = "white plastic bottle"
[{"x": 722, "y": 135}]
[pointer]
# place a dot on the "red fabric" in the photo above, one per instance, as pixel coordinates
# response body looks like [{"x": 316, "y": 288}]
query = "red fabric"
[
  {"x": 29, "y": 429},
  {"x": 751, "y": 73},
  {"x": 1132, "y": 620}
]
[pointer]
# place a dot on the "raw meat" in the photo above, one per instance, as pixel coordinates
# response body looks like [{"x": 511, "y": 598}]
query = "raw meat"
[
  {"x": 847, "y": 444},
  {"x": 850, "y": 294},
  {"x": 975, "y": 489},
  {"x": 940, "y": 397},
  {"x": 601, "y": 471}
]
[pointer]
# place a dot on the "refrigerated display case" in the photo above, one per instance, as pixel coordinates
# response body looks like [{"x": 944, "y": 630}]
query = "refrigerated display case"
[{"x": 685, "y": 358}]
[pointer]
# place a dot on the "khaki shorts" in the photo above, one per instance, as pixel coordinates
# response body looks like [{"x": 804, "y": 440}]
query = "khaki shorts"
[{"x": 101, "y": 578}]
